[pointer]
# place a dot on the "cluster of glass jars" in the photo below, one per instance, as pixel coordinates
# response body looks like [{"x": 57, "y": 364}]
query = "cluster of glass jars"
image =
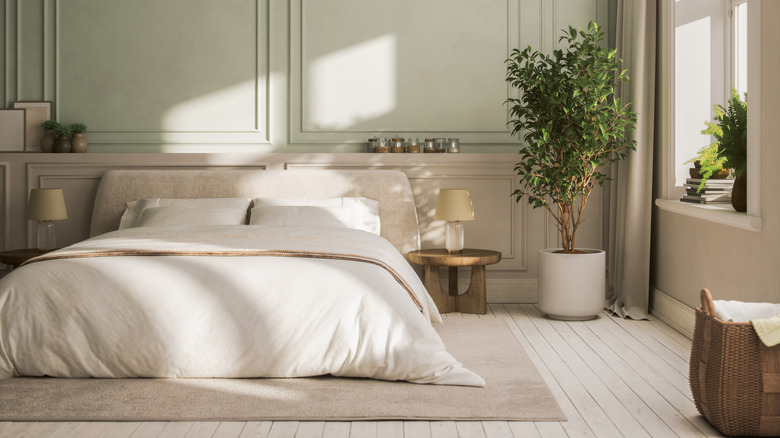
[{"x": 412, "y": 145}]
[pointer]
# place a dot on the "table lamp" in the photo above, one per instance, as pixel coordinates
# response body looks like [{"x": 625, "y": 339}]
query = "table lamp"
[
  {"x": 46, "y": 206},
  {"x": 454, "y": 206}
]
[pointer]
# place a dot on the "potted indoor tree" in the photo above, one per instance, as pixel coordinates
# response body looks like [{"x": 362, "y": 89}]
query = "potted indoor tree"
[
  {"x": 730, "y": 148},
  {"x": 573, "y": 127}
]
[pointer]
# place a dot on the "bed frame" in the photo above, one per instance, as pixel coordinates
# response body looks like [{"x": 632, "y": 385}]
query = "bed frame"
[{"x": 397, "y": 211}]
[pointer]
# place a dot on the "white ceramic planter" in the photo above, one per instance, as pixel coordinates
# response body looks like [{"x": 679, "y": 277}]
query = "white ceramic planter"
[{"x": 572, "y": 286}]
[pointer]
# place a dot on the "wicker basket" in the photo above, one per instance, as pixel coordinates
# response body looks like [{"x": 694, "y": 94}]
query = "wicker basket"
[{"x": 734, "y": 378}]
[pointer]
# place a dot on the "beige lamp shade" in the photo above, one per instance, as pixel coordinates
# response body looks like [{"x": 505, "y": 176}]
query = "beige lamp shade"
[
  {"x": 454, "y": 205},
  {"x": 46, "y": 205}
]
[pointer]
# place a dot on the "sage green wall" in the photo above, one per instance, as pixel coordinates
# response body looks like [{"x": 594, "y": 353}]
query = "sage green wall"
[
  {"x": 735, "y": 264},
  {"x": 272, "y": 75}
]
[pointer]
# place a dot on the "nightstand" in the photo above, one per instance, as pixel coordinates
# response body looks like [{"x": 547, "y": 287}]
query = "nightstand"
[
  {"x": 474, "y": 300},
  {"x": 16, "y": 257}
]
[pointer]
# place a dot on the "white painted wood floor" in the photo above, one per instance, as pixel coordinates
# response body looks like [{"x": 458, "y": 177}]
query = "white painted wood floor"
[{"x": 611, "y": 377}]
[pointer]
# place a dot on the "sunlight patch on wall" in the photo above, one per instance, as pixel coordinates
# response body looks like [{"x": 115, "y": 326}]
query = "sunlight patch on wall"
[
  {"x": 351, "y": 85},
  {"x": 229, "y": 109}
]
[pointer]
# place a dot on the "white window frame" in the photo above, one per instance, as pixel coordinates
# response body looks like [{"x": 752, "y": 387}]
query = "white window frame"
[{"x": 720, "y": 214}]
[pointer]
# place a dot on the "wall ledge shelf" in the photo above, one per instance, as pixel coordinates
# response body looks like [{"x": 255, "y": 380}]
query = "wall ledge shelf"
[{"x": 722, "y": 214}]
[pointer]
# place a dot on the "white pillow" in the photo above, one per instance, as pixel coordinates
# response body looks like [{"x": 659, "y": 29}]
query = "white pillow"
[
  {"x": 310, "y": 216},
  {"x": 134, "y": 211},
  {"x": 168, "y": 216},
  {"x": 364, "y": 211}
]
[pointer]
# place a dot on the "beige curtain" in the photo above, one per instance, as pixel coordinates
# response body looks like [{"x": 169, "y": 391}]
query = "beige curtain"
[{"x": 630, "y": 191}]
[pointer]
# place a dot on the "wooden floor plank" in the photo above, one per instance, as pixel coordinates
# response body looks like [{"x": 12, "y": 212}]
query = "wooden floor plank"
[
  {"x": 612, "y": 381},
  {"x": 363, "y": 429},
  {"x": 229, "y": 429},
  {"x": 588, "y": 408},
  {"x": 283, "y": 429},
  {"x": 657, "y": 416},
  {"x": 256, "y": 429},
  {"x": 417, "y": 429},
  {"x": 336, "y": 429},
  {"x": 647, "y": 365},
  {"x": 557, "y": 332},
  {"x": 442, "y": 429},
  {"x": 176, "y": 429},
  {"x": 520, "y": 325},
  {"x": 123, "y": 429},
  {"x": 497, "y": 429},
  {"x": 390, "y": 429},
  {"x": 149, "y": 429},
  {"x": 202, "y": 429},
  {"x": 526, "y": 429},
  {"x": 662, "y": 350},
  {"x": 470, "y": 429},
  {"x": 310, "y": 429}
]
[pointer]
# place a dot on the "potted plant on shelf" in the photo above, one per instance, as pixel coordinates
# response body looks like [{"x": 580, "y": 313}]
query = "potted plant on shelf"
[
  {"x": 78, "y": 143},
  {"x": 573, "y": 127},
  {"x": 49, "y": 137},
  {"x": 62, "y": 144},
  {"x": 730, "y": 148}
]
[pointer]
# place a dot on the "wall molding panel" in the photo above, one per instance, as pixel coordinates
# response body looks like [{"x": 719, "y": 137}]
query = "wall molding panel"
[
  {"x": 318, "y": 72},
  {"x": 162, "y": 114}
]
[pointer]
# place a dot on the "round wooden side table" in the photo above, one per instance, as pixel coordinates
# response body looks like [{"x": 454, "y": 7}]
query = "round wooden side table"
[{"x": 474, "y": 300}]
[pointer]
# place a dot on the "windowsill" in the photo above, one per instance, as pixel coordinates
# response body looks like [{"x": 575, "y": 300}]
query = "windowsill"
[{"x": 722, "y": 214}]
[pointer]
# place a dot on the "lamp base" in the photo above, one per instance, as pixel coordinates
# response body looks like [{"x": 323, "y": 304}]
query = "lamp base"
[
  {"x": 454, "y": 237},
  {"x": 47, "y": 238}
]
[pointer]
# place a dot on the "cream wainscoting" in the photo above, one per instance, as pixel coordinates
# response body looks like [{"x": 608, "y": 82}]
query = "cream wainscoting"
[{"x": 501, "y": 224}]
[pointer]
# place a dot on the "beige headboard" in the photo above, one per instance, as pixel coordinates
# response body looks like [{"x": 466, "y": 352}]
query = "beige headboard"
[{"x": 397, "y": 211}]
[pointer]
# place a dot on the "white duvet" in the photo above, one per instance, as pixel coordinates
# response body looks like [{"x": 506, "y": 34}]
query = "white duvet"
[{"x": 232, "y": 301}]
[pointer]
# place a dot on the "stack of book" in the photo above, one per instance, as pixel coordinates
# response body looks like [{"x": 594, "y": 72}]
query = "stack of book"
[{"x": 714, "y": 191}]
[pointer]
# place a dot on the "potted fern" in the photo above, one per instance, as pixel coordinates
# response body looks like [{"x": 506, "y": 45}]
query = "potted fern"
[
  {"x": 730, "y": 148},
  {"x": 573, "y": 127}
]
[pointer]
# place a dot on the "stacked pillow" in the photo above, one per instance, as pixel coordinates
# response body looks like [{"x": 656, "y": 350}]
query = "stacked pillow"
[{"x": 347, "y": 212}]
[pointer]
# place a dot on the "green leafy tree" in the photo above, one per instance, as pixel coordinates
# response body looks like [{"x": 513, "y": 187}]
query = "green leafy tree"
[{"x": 572, "y": 124}]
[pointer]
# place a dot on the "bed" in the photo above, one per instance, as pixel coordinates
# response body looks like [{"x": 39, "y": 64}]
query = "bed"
[{"x": 232, "y": 274}]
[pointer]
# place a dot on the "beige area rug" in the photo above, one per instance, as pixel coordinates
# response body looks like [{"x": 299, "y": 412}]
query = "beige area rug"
[{"x": 514, "y": 391}]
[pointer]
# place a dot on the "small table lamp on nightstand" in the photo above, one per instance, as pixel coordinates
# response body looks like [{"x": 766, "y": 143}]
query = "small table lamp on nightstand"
[
  {"x": 46, "y": 206},
  {"x": 454, "y": 206}
]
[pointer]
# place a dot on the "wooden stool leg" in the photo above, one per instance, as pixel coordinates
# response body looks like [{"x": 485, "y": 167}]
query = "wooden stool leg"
[
  {"x": 475, "y": 298},
  {"x": 444, "y": 302}
]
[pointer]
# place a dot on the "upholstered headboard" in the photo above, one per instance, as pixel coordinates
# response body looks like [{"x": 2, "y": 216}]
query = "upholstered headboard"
[{"x": 397, "y": 211}]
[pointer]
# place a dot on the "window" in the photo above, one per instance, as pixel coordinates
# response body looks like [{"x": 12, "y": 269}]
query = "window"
[
  {"x": 707, "y": 47},
  {"x": 739, "y": 36}
]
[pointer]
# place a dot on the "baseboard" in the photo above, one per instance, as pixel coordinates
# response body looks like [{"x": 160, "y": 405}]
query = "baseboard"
[
  {"x": 511, "y": 290},
  {"x": 676, "y": 314}
]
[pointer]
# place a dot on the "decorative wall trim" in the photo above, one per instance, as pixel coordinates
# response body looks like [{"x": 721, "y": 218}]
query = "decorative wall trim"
[
  {"x": 195, "y": 137},
  {"x": 674, "y": 313},
  {"x": 297, "y": 77}
]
